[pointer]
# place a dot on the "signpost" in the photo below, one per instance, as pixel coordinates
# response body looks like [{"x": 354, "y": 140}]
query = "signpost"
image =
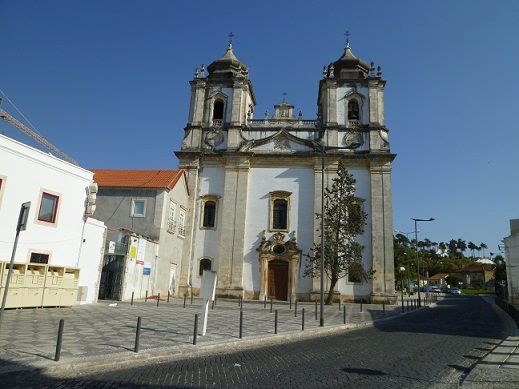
[
  {"x": 20, "y": 226},
  {"x": 207, "y": 294}
]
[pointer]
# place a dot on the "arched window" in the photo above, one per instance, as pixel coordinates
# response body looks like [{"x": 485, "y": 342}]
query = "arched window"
[
  {"x": 280, "y": 214},
  {"x": 205, "y": 264},
  {"x": 209, "y": 214},
  {"x": 353, "y": 110},
  {"x": 218, "y": 110}
]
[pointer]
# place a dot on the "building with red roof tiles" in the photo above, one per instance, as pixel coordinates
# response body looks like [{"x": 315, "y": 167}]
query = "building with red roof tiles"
[{"x": 145, "y": 212}]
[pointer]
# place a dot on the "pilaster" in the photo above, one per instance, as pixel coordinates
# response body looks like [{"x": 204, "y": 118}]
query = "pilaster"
[
  {"x": 231, "y": 239},
  {"x": 382, "y": 232}
]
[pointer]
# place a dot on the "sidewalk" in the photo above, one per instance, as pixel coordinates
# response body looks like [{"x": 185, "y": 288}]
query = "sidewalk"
[
  {"x": 104, "y": 334},
  {"x": 500, "y": 367}
]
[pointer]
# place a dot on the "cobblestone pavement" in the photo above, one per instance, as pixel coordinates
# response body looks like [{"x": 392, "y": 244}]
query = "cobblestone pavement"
[
  {"x": 28, "y": 336},
  {"x": 434, "y": 347}
]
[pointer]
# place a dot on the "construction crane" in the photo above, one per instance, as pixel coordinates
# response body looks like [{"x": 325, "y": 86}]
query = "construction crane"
[{"x": 36, "y": 137}]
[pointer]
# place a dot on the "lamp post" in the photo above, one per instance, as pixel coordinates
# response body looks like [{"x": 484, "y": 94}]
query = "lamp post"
[
  {"x": 407, "y": 260},
  {"x": 416, "y": 249},
  {"x": 323, "y": 153},
  {"x": 402, "y": 270}
]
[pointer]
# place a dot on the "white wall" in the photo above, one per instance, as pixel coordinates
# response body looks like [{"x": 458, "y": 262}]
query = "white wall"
[
  {"x": 211, "y": 182},
  {"x": 26, "y": 172},
  {"x": 262, "y": 181},
  {"x": 90, "y": 258}
]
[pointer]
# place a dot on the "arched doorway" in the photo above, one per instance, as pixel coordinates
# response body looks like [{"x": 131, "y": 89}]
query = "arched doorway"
[
  {"x": 278, "y": 261},
  {"x": 278, "y": 280}
]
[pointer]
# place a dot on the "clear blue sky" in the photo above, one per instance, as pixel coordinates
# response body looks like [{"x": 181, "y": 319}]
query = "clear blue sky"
[{"x": 107, "y": 82}]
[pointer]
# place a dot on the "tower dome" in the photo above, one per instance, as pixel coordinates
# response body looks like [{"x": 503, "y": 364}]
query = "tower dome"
[
  {"x": 227, "y": 66},
  {"x": 349, "y": 66}
]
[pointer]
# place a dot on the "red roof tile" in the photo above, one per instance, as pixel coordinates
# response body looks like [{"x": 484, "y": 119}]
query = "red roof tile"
[
  {"x": 438, "y": 276},
  {"x": 166, "y": 179}
]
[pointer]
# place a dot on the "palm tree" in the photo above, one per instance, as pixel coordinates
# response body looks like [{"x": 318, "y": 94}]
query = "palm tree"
[
  {"x": 453, "y": 247},
  {"x": 462, "y": 246},
  {"x": 483, "y": 247},
  {"x": 472, "y": 247}
]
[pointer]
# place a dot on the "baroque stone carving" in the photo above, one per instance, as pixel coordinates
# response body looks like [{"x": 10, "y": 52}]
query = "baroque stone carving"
[
  {"x": 281, "y": 143},
  {"x": 213, "y": 138},
  {"x": 353, "y": 139}
]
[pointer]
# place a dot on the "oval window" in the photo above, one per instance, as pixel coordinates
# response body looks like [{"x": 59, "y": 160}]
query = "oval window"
[{"x": 278, "y": 249}]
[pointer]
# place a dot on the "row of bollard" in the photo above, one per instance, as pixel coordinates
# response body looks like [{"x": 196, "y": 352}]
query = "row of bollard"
[
  {"x": 240, "y": 301},
  {"x": 195, "y": 329}
]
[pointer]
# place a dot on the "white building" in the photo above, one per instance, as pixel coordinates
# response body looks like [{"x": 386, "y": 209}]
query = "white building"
[
  {"x": 255, "y": 184},
  {"x": 58, "y": 232},
  {"x": 512, "y": 262}
]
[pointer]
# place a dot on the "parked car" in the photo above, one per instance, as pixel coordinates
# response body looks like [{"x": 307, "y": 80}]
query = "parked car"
[{"x": 454, "y": 291}]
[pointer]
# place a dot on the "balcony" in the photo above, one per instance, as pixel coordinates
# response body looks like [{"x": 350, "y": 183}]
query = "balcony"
[
  {"x": 217, "y": 122},
  {"x": 353, "y": 123}
]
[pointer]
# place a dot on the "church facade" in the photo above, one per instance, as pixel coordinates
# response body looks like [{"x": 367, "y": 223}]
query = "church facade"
[{"x": 255, "y": 184}]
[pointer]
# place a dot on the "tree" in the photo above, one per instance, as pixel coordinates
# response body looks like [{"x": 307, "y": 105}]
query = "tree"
[
  {"x": 344, "y": 220},
  {"x": 462, "y": 246},
  {"x": 453, "y": 281},
  {"x": 453, "y": 247},
  {"x": 471, "y": 246},
  {"x": 483, "y": 247}
]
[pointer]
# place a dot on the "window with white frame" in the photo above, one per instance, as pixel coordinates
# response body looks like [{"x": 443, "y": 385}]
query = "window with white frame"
[
  {"x": 48, "y": 207},
  {"x": 279, "y": 210},
  {"x": 2, "y": 185},
  {"x": 182, "y": 223},
  {"x": 138, "y": 208},
  {"x": 171, "y": 216},
  {"x": 209, "y": 210}
]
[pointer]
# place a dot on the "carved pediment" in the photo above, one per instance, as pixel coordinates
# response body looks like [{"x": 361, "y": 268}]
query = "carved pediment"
[
  {"x": 277, "y": 245},
  {"x": 281, "y": 141}
]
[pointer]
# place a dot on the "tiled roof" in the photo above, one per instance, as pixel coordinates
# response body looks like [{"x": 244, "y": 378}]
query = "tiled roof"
[
  {"x": 166, "y": 179},
  {"x": 438, "y": 276}
]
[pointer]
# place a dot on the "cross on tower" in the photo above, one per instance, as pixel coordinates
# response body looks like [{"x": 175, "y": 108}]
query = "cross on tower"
[
  {"x": 230, "y": 37},
  {"x": 284, "y": 96},
  {"x": 347, "y": 35}
]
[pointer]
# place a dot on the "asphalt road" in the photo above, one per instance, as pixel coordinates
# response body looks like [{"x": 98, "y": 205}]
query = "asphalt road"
[{"x": 434, "y": 347}]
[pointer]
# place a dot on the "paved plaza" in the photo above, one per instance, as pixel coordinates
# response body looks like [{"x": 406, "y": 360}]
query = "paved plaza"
[{"x": 28, "y": 336}]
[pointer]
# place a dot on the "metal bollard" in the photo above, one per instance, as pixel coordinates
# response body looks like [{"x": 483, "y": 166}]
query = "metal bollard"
[
  {"x": 185, "y": 301},
  {"x": 158, "y": 299},
  {"x": 302, "y": 319},
  {"x": 315, "y": 309},
  {"x": 361, "y": 305},
  {"x": 191, "y": 297},
  {"x": 383, "y": 307},
  {"x": 137, "y": 335},
  {"x": 212, "y": 305},
  {"x": 131, "y": 303},
  {"x": 265, "y": 302},
  {"x": 168, "y": 296},
  {"x": 295, "y": 310},
  {"x": 290, "y": 306},
  {"x": 195, "y": 331},
  {"x": 270, "y": 305},
  {"x": 344, "y": 313},
  {"x": 407, "y": 305},
  {"x": 276, "y": 322},
  {"x": 241, "y": 323},
  {"x": 146, "y": 297},
  {"x": 60, "y": 340},
  {"x": 339, "y": 305},
  {"x": 402, "y": 305}
]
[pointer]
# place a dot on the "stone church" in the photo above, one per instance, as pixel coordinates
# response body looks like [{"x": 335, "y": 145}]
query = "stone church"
[{"x": 255, "y": 184}]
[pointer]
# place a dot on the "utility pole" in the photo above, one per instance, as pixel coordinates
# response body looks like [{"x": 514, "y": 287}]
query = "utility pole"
[{"x": 20, "y": 226}]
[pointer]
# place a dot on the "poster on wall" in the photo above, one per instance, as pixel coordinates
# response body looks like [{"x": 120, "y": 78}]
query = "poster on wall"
[
  {"x": 111, "y": 247},
  {"x": 146, "y": 271},
  {"x": 133, "y": 249},
  {"x": 141, "y": 252}
]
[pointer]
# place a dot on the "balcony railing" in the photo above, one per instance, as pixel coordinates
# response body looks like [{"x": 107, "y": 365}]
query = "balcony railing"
[
  {"x": 353, "y": 123},
  {"x": 217, "y": 122}
]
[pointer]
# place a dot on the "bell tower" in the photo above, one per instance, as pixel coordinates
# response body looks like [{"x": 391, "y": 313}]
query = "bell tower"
[{"x": 222, "y": 102}]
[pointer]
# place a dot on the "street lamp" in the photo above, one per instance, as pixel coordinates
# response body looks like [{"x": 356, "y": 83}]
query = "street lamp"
[
  {"x": 323, "y": 153},
  {"x": 402, "y": 270},
  {"x": 416, "y": 249}
]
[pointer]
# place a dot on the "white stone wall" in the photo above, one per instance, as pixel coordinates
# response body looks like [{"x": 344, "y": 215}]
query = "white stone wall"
[
  {"x": 211, "y": 182},
  {"x": 26, "y": 172},
  {"x": 262, "y": 181}
]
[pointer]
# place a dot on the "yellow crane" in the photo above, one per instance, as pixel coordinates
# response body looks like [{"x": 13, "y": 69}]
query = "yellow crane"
[{"x": 36, "y": 137}]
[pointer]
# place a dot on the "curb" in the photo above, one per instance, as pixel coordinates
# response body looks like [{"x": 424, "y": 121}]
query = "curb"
[{"x": 74, "y": 367}]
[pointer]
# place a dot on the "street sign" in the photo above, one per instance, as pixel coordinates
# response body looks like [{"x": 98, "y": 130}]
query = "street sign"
[{"x": 22, "y": 218}]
